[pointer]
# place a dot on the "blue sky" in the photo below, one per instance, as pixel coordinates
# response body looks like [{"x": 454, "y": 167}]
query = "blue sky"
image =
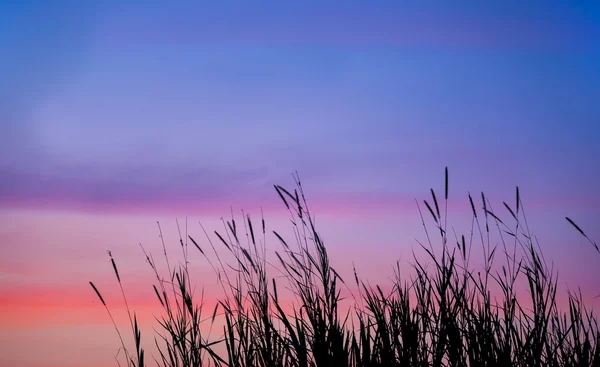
[
  {"x": 115, "y": 114},
  {"x": 353, "y": 95}
]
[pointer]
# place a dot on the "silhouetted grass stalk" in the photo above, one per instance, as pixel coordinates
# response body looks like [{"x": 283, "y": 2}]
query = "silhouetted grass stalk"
[{"x": 448, "y": 313}]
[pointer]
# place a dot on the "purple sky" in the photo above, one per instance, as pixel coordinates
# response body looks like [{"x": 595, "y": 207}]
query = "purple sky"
[
  {"x": 113, "y": 116},
  {"x": 127, "y": 103}
]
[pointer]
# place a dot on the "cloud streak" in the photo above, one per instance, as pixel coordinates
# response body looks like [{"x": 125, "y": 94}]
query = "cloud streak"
[{"x": 371, "y": 25}]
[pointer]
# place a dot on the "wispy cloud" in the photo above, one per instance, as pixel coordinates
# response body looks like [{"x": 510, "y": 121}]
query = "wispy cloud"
[{"x": 138, "y": 188}]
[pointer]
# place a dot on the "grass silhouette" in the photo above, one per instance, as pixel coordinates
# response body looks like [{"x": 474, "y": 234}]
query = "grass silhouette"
[{"x": 448, "y": 313}]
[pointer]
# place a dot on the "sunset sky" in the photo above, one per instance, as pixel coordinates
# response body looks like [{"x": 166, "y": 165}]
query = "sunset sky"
[{"x": 115, "y": 115}]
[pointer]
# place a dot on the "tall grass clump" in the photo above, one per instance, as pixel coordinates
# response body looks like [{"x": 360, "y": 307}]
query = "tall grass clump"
[{"x": 452, "y": 310}]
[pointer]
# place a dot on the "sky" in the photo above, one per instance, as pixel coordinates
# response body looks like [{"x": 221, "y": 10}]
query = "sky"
[{"x": 115, "y": 115}]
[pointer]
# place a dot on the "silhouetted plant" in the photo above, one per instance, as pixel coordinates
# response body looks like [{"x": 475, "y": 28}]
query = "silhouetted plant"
[{"x": 449, "y": 313}]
